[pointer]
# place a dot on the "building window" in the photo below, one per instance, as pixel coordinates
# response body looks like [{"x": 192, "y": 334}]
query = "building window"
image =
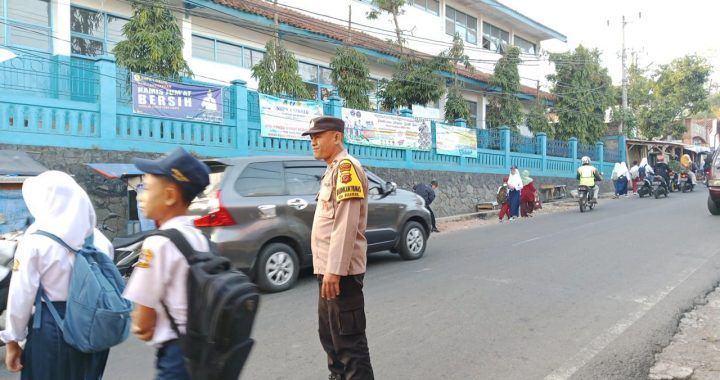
[
  {"x": 494, "y": 38},
  {"x": 526, "y": 47},
  {"x": 26, "y": 24},
  {"x": 94, "y": 33},
  {"x": 317, "y": 80},
  {"x": 432, "y": 6},
  {"x": 460, "y": 23},
  {"x": 472, "y": 120},
  {"x": 224, "y": 52}
]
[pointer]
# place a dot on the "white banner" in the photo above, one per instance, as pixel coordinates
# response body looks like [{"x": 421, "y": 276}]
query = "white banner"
[
  {"x": 287, "y": 119},
  {"x": 455, "y": 141},
  {"x": 387, "y": 131}
]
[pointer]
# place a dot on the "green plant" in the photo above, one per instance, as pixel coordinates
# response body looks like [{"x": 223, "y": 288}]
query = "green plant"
[
  {"x": 277, "y": 73},
  {"x": 154, "y": 43},
  {"x": 350, "y": 73},
  {"x": 505, "y": 107},
  {"x": 537, "y": 121}
]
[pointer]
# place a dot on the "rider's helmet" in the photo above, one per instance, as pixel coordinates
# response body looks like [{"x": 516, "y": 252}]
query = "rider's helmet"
[{"x": 585, "y": 160}]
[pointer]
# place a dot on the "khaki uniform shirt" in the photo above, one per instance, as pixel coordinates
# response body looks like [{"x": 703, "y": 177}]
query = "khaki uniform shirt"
[{"x": 338, "y": 234}]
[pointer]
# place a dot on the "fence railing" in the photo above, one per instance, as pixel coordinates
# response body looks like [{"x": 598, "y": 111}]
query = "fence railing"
[{"x": 80, "y": 103}]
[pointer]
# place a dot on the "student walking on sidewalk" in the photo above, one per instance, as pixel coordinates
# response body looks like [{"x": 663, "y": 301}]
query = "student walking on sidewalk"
[{"x": 515, "y": 185}]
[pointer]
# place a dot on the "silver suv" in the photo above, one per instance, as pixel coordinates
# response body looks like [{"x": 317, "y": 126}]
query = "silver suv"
[{"x": 258, "y": 211}]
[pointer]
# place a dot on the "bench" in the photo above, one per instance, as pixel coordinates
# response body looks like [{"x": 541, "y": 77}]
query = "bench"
[
  {"x": 486, "y": 206},
  {"x": 553, "y": 192}
]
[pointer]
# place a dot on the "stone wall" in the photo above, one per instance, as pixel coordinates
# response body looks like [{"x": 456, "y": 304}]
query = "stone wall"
[{"x": 458, "y": 193}]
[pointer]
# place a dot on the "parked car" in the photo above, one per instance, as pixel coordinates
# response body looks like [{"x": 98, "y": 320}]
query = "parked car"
[
  {"x": 713, "y": 182},
  {"x": 258, "y": 211}
]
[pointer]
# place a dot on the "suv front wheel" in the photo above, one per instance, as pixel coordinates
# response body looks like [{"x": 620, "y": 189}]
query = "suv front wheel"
[
  {"x": 277, "y": 268},
  {"x": 412, "y": 241}
]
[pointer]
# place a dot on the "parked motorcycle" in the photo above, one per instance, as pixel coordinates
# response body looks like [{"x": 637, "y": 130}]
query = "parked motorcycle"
[
  {"x": 127, "y": 252},
  {"x": 660, "y": 187},
  {"x": 685, "y": 183},
  {"x": 585, "y": 198},
  {"x": 645, "y": 187}
]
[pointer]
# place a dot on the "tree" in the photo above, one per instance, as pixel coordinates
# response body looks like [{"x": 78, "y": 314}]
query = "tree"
[
  {"x": 154, "y": 42},
  {"x": 677, "y": 90},
  {"x": 455, "y": 106},
  {"x": 537, "y": 121},
  {"x": 277, "y": 73},
  {"x": 505, "y": 108},
  {"x": 394, "y": 8},
  {"x": 414, "y": 82},
  {"x": 583, "y": 90},
  {"x": 350, "y": 73}
]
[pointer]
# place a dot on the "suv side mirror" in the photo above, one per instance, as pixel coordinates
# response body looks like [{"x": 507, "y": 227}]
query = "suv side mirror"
[{"x": 390, "y": 187}]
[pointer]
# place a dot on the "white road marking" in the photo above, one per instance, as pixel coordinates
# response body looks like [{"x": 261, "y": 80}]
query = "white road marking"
[
  {"x": 526, "y": 241},
  {"x": 603, "y": 340}
]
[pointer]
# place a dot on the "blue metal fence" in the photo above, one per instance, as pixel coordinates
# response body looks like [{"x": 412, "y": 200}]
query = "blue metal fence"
[{"x": 69, "y": 102}]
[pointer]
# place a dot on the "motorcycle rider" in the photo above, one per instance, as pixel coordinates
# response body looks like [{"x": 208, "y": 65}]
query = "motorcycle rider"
[
  {"x": 587, "y": 175},
  {"x": 690, "y": 167},
  {"x": 662, "y": 169}
]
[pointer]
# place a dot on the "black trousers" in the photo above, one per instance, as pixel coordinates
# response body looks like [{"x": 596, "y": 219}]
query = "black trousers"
[
  {"x": 432, "y": 215},
  {"x": 342, "y": 330}
]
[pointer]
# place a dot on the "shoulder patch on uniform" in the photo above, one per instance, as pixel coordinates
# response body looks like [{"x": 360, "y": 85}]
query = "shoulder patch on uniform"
[
  {"x": 348, "y": 183},
  {"x": 145, "y": 258}
]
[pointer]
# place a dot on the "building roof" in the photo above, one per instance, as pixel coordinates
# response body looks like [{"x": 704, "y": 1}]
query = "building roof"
[{"x": 341, "y": 35}]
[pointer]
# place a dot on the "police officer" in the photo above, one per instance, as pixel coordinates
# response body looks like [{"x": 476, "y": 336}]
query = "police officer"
[{"x": 339, "y": 252}]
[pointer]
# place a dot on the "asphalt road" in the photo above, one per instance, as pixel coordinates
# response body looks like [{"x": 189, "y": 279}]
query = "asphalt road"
[{"x": 558, "y": 296}]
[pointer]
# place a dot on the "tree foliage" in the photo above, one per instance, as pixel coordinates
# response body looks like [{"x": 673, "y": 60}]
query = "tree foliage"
[
  {"x": 505, "y": 107},
  {"x": 350, "y": 73},
  {"x": 455, "y": 106},
  {"x": 674, "y": 91},
  {"x": 277, "y": 73},
  {"x": 394, "y": 9},
  {"x": 537, "y": 121},
  {"x": 414, "y": 82},
  {"x": 583, "y": 90},
  {"x": 153, "y": 42}
]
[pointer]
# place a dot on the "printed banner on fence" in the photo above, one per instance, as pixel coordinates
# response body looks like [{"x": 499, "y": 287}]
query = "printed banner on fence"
[
  {"x": 455, "y": 141},
  {"x": 176, "y": 100},
  {"x": 387, "y": 131},
  {"x": 287, "y": 119}
]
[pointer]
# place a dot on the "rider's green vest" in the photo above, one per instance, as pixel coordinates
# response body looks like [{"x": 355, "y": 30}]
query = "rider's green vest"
[{"x": 587, "y": 175}]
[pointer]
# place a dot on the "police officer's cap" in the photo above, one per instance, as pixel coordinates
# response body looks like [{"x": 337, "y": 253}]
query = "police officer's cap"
[
  {"x": 325, "y": 123},
  {"x": 191, "y": 174}
]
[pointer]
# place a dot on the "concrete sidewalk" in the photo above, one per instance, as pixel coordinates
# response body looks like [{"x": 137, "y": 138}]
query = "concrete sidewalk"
[{"x": 694, "y": 352}]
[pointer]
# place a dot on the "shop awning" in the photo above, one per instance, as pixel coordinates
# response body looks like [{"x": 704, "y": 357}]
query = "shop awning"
[
  {"x": 116, "y": 171},
  {"x": 16, "y": 165}
]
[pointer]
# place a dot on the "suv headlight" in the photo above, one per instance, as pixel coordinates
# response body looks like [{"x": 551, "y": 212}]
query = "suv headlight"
[{"x": 419, "y": 201}]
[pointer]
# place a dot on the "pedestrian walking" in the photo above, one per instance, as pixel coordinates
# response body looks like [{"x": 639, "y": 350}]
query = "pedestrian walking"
[
  {"x": 623, "y": 179},
  {"x": 339, "y": 250},
  {"x": 158, "y": 284},
  {"x": 528, "y": 195},
  {"x": 515, "y": 185},
  {"x": 42, "y": 271},
  {"x": 427, "y": 192},
  {"x": 502, "y": 200},
  {"x": 635, "y": 176}
]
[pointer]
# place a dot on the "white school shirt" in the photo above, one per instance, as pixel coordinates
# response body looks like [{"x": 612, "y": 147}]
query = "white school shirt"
[
  {"x": 40, "y": 260},
  {"x": 160, "y": 276}
]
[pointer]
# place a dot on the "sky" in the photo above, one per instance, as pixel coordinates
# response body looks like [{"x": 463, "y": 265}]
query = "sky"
[{"x": 658, "y": 31}]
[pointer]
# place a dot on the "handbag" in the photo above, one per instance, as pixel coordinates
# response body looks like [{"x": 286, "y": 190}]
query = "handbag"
[{"x": 538, "y": 204}]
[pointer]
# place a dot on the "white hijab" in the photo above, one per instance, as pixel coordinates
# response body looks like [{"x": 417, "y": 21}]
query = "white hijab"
[
  {"x": 515, "y": 180},
  {"x": 624, "y": 170},
  {"x": 60, "y": 206},
  {"x": 643, "y": 162}
]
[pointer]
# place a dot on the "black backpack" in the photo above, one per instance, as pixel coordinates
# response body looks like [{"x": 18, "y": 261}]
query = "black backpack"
[
  {"x": 641, "y": 172},
  {"x": 222, "y": 303}
]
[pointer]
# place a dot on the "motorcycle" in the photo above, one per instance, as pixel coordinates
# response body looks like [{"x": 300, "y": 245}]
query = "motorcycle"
[
  {"x": 659, "y": 187},
  {"x": 685, "y": 183},
  {"x": 127, "y": 252},
  {"x": 645, "y": 187},
  {"x": 674, "y": 182},
  {"x": 585, "y": 198}
]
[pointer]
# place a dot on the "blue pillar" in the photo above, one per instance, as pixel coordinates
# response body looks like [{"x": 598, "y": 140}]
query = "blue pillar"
[
  {"x": 408, "y": 152},
  {"x": 334, "y": 106},
  {"x": 107, "y": 97},
  {"x": 622, "y": 148},
  {"x": 572, "y": 145},
  {"x": 542, "y": 143},
  {"x": 241, "y": 116},
  {"x": 505, "y": 144},
  {"x": 600, "y": 152}
]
